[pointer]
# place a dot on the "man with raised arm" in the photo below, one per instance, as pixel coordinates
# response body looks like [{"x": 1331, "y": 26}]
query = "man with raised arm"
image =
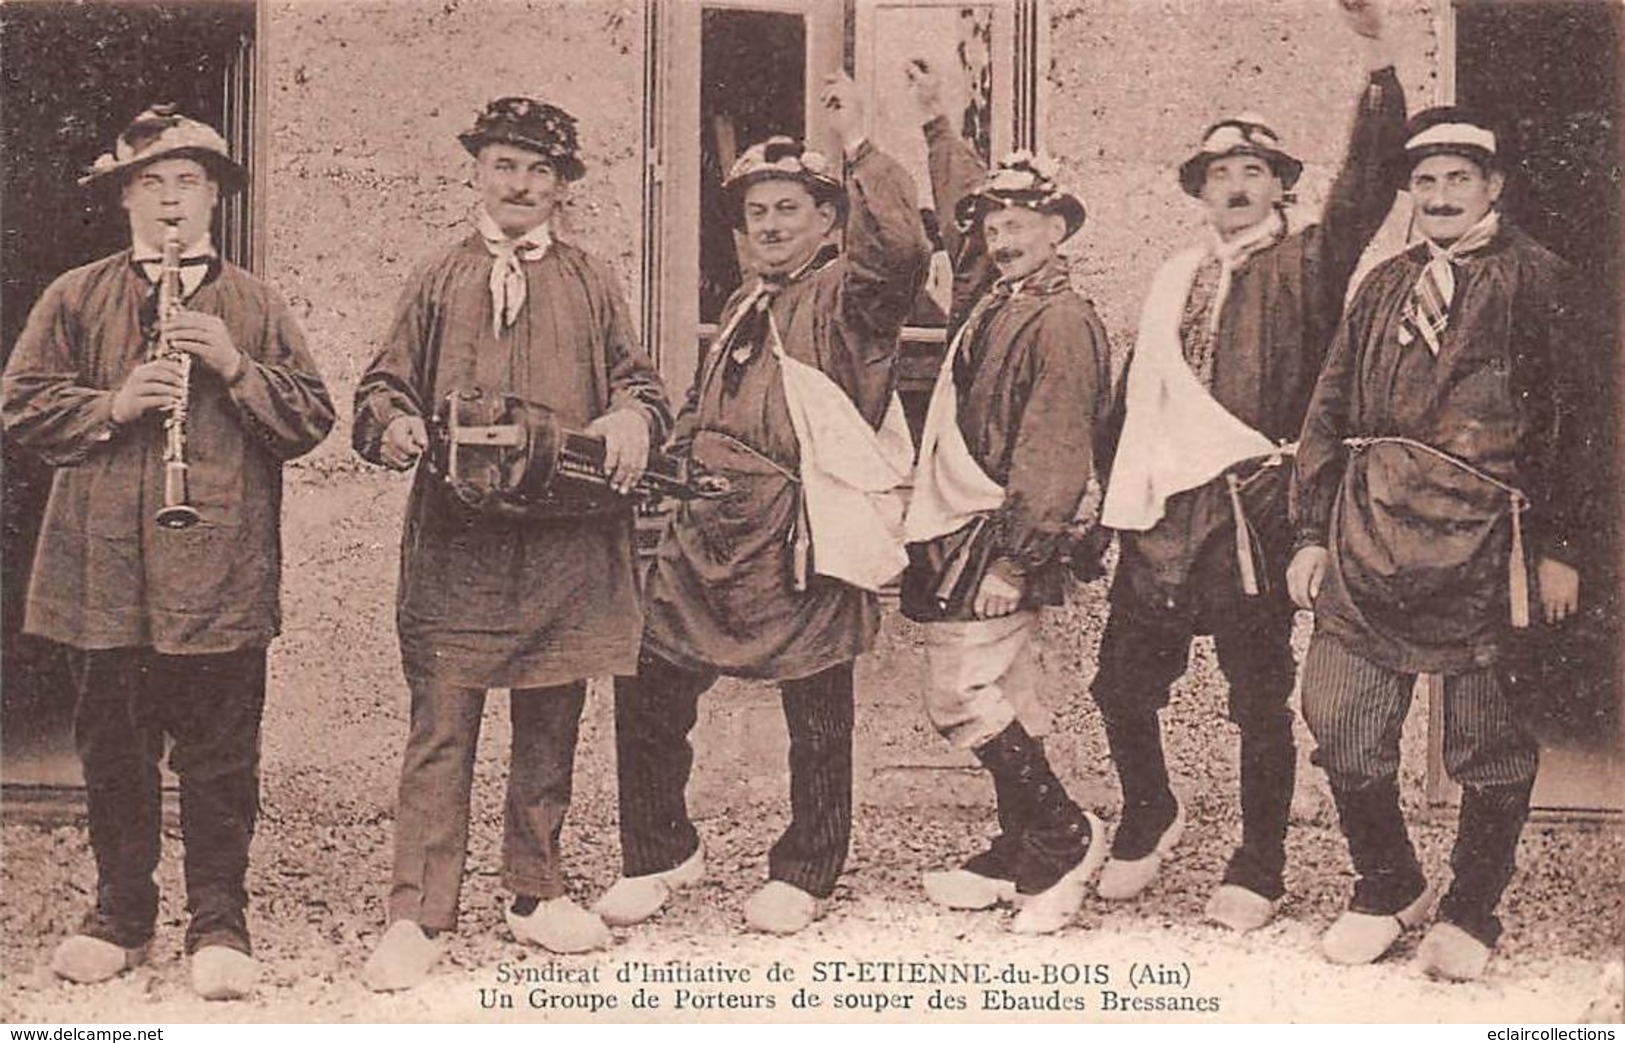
[
  {"x": 736, "y": 590},
  {"x": 1005, "y": 497},
  {"x": 1231, "y": 338}
]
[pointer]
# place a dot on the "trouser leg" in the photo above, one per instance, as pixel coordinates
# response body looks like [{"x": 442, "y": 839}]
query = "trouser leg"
[
  {"x": 431, "y": 820},
  {"x": 1380, "y": 848},
  {"x": 818, "y": 711},
  {"x": 982, "y": 679},
  {"x": 1139, "y": 662},
  {"x": 1256, "y": 658},
  {"x": 120, "y": 743},
  {"x": 1484, "y": 856},
  {"x": 546, "y": 725},
  {"x": 1490, "y": 752},
  {"x": 654, "y": 712},
  {"x": 213, "y": 705},
  {"x": 1356, "y": 709}
]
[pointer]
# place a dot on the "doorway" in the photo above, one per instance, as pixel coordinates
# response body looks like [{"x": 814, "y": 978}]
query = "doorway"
[
  {"x": 75, "y": 73},
  {"x": 722, "y": 75},
  {"x": 1547, "y": 75}
]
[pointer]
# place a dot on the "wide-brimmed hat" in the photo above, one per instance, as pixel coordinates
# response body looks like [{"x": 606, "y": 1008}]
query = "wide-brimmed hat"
[
  {"x": 1244, "y": 135},
  {"x": 162, "y": 133},
  {"x": 1450, "y": 130},
  {"x": 1025, "y": 180},
  {"x": 529, "y": 124},
  {"x": 781, "y": 158}
]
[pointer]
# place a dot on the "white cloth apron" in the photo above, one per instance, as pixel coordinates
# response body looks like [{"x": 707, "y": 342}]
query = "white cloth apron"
[
  {"x": 1176, "y": 436},
  {"x": 852, "y": 476},
  {"x": 950, "y": 487}
]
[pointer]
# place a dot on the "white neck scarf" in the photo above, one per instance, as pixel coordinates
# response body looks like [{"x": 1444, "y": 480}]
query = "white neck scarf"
[
  {"x": 151, "y": 260},
  {"x": 950, "y": 487},
  {"x": 1176, "y": 435},
  {"x": 1236, "y": 251},
  {"x": 507, "y": 275}
]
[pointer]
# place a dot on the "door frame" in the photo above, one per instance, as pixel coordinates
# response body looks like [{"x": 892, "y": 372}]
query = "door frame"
[
  {"x": 1438, "y": 788},
  {"x": 671, "y": 160}
]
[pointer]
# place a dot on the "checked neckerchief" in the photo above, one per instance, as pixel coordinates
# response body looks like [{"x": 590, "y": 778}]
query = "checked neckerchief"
[{"x": 1427, "y": 312}]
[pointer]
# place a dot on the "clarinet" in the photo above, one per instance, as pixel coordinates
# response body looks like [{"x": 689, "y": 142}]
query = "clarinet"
[{"x": 177, "y": 511}]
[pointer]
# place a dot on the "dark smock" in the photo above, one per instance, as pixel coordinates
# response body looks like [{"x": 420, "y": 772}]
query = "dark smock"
[
  {"x": 492, "y": 603},
  {"x": 105, "y": 574},
  {"x": 1418, "y": 575},
  {"x": 1033, "y": 379},
  {"x": 720, "y": 597},
  {"x": 1280, "y": 313}
]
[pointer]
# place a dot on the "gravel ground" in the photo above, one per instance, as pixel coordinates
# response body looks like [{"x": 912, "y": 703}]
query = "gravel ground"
[{"x": 332, "y": 741}]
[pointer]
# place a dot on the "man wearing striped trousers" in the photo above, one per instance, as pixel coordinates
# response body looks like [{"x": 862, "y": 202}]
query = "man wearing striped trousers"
[{"x": 1436, "y": 475}]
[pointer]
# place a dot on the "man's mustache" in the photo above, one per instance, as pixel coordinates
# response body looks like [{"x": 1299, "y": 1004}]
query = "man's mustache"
[
  {"x": 1006, "y": 256},
  {"x": 1239, "y": 200},
  {"x": 770, "y": 237},
  {"x": 1443, "y": 210},
  {"x": 520, "y": 199}
]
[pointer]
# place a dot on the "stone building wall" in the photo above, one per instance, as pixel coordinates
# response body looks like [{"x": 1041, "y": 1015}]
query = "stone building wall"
[
  {"x": 1133, "y": 83},
  {"x": 364, "y": 102}
]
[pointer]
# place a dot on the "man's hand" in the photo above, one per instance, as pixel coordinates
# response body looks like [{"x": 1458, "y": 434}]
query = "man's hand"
[
  {"x": 926, "y": 88},
  {"x": 843, "y": 108},
  {"x": 205, "y": 337},
  {"x": 1559, "y": 588},
  {"x": 998, "y": 595},
  {"x": 404, "y": 441},
  {"x": 151, "y": 385},
  {"x": 626, "y": 446},
  {"x": 1305, "y": 574},
  {"x": 1363, "y": 16}
]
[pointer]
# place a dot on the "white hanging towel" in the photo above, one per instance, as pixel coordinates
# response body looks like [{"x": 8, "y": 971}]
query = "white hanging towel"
[
  {"x": 1177, "y": 436},
  {"x": 950, "y": 487},
  {"x": 852, "y": 476}
]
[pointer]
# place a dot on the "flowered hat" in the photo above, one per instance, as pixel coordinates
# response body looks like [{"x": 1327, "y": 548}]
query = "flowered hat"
[
  {"x": 1025, "y": 180},
  {"x": 784, "y": 159},
  {"x": 1243, "y": 135},
  {"x": 529, "y": 124},
  {"x": 162, "y": 133}
]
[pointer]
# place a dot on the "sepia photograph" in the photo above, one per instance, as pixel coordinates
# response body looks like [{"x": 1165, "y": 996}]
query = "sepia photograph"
[{"x": 868, "y": 512}]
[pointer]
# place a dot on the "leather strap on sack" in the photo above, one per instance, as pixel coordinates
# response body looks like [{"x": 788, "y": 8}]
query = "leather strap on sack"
[
  {"x": 800, "y": 543},
  {"x": 1517, "y": 568},
  {"x": 1244, "y": 538},
  {"x": 1246, "y": 560}
]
